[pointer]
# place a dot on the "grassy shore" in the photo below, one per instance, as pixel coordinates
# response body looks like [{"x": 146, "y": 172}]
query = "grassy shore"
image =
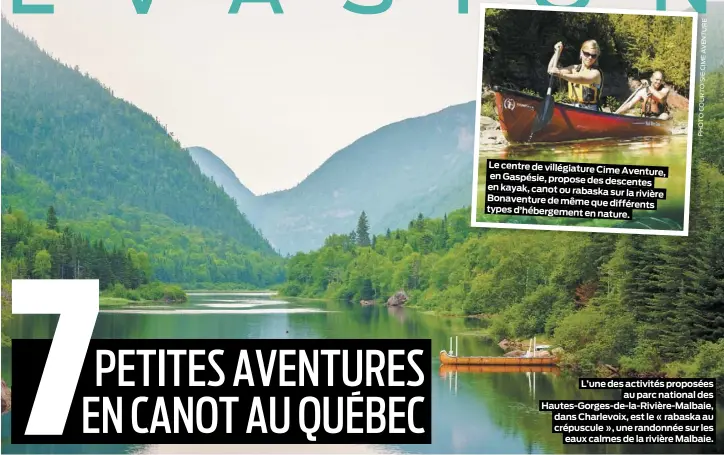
[{"x": 116, "y": 302}]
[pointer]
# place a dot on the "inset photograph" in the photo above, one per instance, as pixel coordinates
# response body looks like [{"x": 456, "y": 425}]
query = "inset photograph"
[{"x": 585, "y": 119}]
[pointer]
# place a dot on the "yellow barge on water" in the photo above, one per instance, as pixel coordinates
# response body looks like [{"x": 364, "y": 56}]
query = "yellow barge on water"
[
  {"x": 530, "y": 359},
  {"x": 447, "y": 359}
]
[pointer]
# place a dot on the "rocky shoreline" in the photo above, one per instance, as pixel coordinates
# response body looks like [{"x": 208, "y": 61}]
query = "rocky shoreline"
[
  {"x": 490, "y": 133},
  {"x": 518, "y": 348},
  {"x": 6, "y": 398},
  {"x": 515, "y": 348},
  {"x": 398, "y": 299}
]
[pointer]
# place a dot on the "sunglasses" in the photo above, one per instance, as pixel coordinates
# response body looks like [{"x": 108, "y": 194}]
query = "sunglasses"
[{"x": 590, "y": 55}]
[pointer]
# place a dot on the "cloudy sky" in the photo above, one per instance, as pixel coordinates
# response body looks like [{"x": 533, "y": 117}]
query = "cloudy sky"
[{"x": 274, "y": 95}]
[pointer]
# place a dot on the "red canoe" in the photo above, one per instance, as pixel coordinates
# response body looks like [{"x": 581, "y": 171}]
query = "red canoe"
[{"x": 517, "y": 110}]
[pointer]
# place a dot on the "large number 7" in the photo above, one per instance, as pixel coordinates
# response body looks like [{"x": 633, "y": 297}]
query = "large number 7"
[{"x": 76, "y": 301}]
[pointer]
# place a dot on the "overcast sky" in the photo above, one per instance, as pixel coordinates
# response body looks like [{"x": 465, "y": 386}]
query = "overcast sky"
[{"x": 274, "y": 95}]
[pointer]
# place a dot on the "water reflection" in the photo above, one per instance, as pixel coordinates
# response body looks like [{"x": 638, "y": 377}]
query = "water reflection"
[
  {"x": 450, "y": 369},
  {"x": 597, "y": 148},
  {"x": 667, "y": 151},
  {"x": 476, "y": 409}
]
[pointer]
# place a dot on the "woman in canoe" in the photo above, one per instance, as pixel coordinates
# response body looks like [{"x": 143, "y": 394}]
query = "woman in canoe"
[
  {"x": 585, "y": 80},
  {"x": 653, "y": 98}
]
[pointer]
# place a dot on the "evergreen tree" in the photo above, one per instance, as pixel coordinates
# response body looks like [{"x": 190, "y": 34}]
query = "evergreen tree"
[
  {"x": 363, "y": 230},
  {"x": 639, "y": 284},
  {"x": 443, "y": 237},
  {"x": 52, "y": 219},
  {"x": 706, "y": 298},
  {"x": 367, "y": 292},
  {"x": 29, "y": 252},
  {"x": 420, "y": 221},
  {"x": 670, "y": 314}
]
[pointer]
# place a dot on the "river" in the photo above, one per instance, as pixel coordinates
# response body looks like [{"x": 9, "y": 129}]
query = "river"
[
  {"x": 667, "y": 151},
  {"x": 473, "y": 412}
]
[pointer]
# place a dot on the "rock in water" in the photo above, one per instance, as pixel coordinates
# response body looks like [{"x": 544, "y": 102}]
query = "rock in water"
[
  {"x": 515, "y": 353},
  {"x": 398, "y": 299},
  {"x": 487, "y": 122},
  {"x": 6, "y": 398}
]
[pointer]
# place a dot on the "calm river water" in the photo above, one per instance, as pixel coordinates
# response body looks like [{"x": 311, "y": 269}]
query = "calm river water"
[
  {"x": 473, "y": 412},
  {"x": 667, "y": 151}
]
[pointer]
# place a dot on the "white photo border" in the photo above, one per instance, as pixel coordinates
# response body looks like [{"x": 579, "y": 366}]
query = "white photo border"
[{"x": 690, "y": 127}]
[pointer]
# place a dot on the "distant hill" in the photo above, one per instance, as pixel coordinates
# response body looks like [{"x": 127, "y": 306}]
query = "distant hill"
[
  {"x": 215, "y": 168},
  {"x": 418, "y": 165},
  {"x": 67, "y": 141},
  {"x": 714, "y": 35}
]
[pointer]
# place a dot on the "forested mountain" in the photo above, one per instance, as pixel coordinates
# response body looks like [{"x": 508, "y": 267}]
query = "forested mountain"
[
  {"x": 417, "y": 165},
  {"x": 643, "y": 304},
  {"x": 71, "y": 132},
  {"x": 424, "y": 165},
  {"x": 113, "y": 171},
  {"x": 215, "y": 168}
]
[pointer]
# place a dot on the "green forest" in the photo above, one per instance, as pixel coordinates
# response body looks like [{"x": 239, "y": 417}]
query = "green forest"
[
  {"x": 642, "y": 304},
  {"x": 115, "y": 174},
  {"x": 94, "y": 188},
  {"x": 518, "y": 45},
  {"x": 52, "y": 250},
  {"x": 194, "y": 256}
]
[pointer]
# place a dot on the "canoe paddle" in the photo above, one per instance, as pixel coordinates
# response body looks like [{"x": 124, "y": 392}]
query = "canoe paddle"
[
  {"x": 632, "y": 95},
  {"x": 545, "y": 114}
]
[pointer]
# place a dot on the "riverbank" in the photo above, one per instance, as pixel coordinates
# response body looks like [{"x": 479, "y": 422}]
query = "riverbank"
[
  {"x": 497, "y": 402},
  {"x": 155, "y": 292},
  {"x": 115, "y": 302},
  {"x": 230, "y": 291},
  {"x": 223, "y": 287},
  {"x": 118, "y": 302},
  {"x": 706, "y": 362}
]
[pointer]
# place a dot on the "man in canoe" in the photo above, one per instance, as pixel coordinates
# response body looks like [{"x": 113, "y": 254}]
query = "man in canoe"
[
  {"x": 585, "y": 80},
  {"x": 652, "y": 96}
]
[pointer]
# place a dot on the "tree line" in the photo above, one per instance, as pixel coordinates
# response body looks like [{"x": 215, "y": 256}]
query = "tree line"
[
  {"x": 91, "y": 154},
  {"x": 518, "y": 45},
  {"x": 47, "y": 250},
  {"x": 196, "y": 257},
  {"x": 641, "y": 304},
  {"x": 31, "y": 250}
]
